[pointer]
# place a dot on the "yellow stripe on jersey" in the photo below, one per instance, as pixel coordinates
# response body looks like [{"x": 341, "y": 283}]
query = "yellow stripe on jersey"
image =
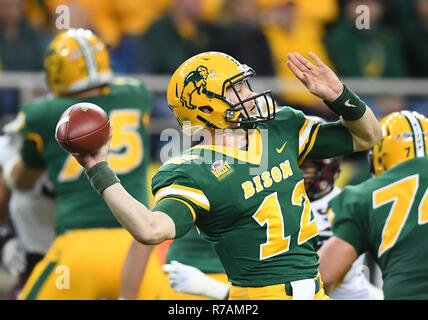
[
  {"x": 37, "y": 139},
  {"x": 195, "y": 196},
  {"x": 304, "y": 134},
  {"x": 192, "y": 211},
  {"x": 311, "y": 144},
  {"x": 303, "y": 127},
  {"x": 330, "y": 215}
]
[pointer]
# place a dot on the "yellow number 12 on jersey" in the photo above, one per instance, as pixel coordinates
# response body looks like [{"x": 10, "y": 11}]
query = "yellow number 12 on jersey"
[{"x": 270, "y": 213}]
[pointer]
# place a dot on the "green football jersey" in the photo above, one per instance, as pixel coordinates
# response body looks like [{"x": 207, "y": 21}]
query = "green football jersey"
[
  {"x": 251, "y": 204},
  {"x": 77, "y": 204},
  {"x": 387, "y": 216},
  {"x": 193, "y": 250}
]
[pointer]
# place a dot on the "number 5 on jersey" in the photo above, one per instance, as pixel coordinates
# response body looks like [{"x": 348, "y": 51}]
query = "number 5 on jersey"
[{"x": 126, "y": 143}]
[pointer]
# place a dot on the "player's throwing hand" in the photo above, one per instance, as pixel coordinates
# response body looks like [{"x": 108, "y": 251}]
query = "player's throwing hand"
[
  {"x": 88, "y": 161},
  {"x": 319, "y": 79}
]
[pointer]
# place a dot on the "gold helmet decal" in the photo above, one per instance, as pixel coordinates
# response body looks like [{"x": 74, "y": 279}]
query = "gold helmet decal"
[
  {"x": 197, "y": 94},
  {"x": 194, "y": 83},
  {"x": 404, "y": 136}
]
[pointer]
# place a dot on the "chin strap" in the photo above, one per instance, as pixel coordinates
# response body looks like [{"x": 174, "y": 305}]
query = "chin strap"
[{"x": 206, "y": 122}]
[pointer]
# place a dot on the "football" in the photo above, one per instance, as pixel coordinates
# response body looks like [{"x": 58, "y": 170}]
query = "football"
[{"x": 82, "y": 129}]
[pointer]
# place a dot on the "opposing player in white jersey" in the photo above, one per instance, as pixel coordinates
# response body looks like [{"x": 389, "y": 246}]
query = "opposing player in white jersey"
[
  {"x": 319, "y": 182},
  {"x": 31, "y": 214},
  {"x": 319, "y": 178}
]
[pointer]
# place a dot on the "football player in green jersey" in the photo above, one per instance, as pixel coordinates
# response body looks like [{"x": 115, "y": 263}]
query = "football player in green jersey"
[
  {"x": 386, "y": 215},
  {"x": 242, "y": 186},
  {"x": 86, "y": 258}
]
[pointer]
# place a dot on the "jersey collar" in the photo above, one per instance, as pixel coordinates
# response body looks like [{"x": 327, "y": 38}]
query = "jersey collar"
[{"x": 253, "y": 155}]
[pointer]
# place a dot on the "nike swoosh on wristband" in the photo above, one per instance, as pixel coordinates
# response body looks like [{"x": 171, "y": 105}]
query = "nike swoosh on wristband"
[{"x": 349, "y": 105}]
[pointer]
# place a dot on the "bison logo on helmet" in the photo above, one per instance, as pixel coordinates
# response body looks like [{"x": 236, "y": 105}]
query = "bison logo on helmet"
[{"x": 194, "y": 82}]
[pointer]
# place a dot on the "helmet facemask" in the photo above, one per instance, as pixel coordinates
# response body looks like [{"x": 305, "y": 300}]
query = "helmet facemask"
[{"x": 264, "y": 102}]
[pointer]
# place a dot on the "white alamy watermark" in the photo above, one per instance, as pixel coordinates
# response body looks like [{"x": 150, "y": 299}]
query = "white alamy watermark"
[
  {"x": 62, "y": 21},
  {"x": 363, "y": 19},
  {"x": 63, "y": 279},
  {"x": 224, "y": 141}
]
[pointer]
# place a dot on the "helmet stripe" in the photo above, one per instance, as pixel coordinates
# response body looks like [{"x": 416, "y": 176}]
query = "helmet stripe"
[
  {"x": 88, "y": 54},
  {"x": 418, "y": 134}
]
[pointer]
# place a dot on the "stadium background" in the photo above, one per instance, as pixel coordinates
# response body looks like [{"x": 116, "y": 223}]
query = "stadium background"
[{"x": 383, "y": 57}]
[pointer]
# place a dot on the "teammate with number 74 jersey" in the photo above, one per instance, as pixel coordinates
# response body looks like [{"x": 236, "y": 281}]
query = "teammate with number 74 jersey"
[
  {"x": 387, "y": 215},
  {"x": 241, "y": 186}
]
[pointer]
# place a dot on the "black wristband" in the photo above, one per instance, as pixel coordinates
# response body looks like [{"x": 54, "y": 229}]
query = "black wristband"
[
  {"x": 101, "y": 176},
  {"x": 348, "y": 105}
]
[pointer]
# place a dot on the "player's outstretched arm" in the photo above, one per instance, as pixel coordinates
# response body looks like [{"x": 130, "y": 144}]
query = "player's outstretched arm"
[
  {"x": 336, "y": 257},
  {"x": 322, "y": 82},
  {"x": 144, "y": 225}
]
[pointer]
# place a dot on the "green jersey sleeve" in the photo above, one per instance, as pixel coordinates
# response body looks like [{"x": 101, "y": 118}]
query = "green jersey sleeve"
[
  {"x": 33, "y": 143},
  {"x": 316, "y": 140},
  {"x": 346, "y": 213},
  {"x": 323, "y": 140},
  {"x": 333, "y": 139},
  {"x": 180, "y": 198},
  {"x": 179, "y": 211}
]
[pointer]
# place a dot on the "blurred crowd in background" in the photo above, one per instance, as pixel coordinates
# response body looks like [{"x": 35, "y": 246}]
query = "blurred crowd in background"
[{"x": 155, "y": 36}]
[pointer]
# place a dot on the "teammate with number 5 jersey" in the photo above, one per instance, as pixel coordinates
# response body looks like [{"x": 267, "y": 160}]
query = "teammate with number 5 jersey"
[
  {"x": 387, "y": 215},
  {"x": 86, "y": 258}
]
